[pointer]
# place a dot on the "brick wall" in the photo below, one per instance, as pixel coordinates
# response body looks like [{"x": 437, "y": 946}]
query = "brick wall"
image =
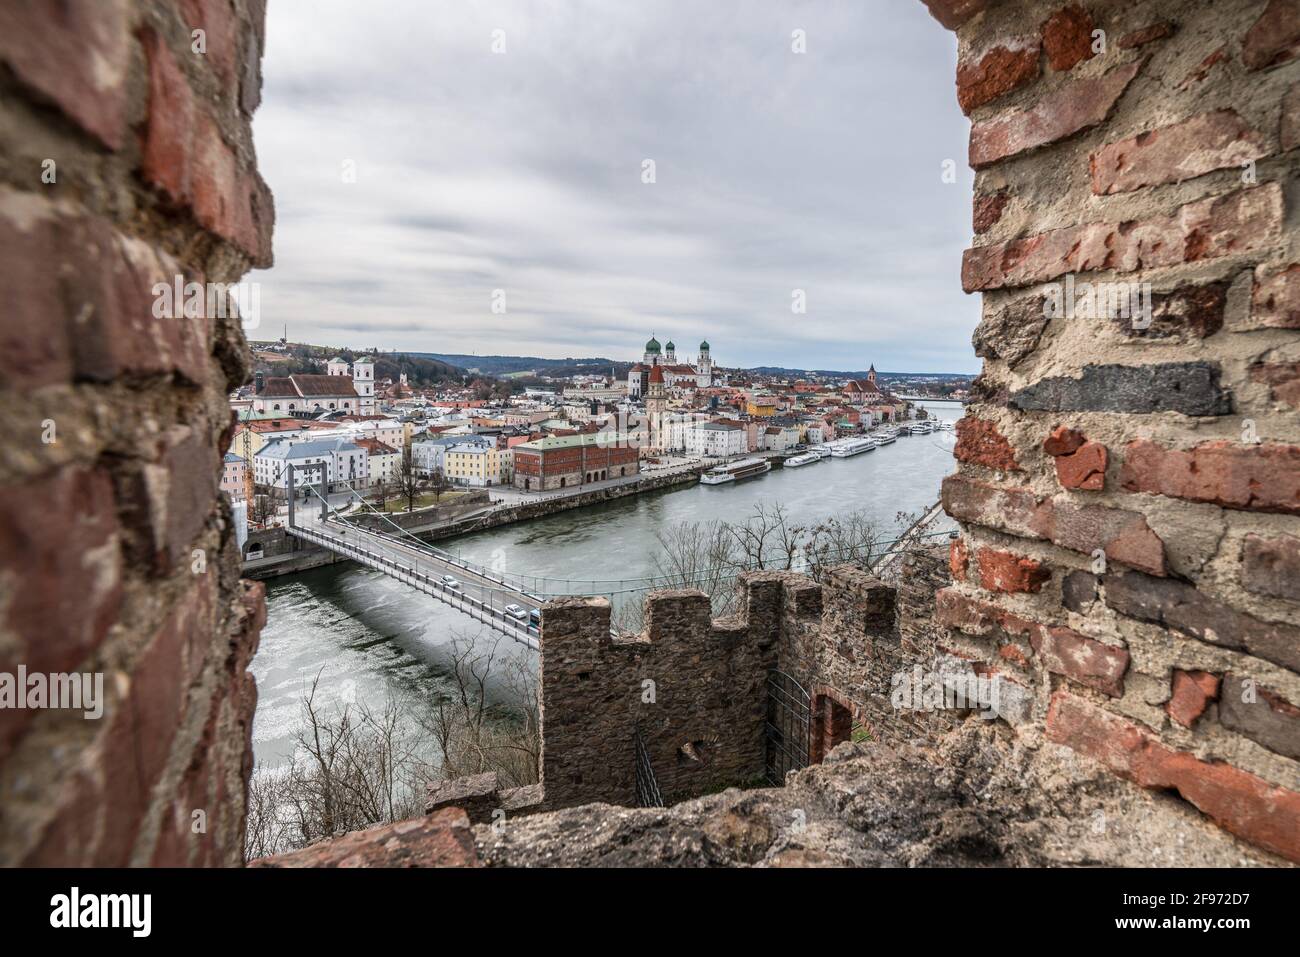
[
  {"x": 127, "y": 161},
  {"x": 1129, "y": 487}
]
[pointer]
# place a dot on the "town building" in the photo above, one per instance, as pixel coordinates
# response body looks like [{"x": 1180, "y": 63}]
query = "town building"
[
  {"x": 305, "y": 395},
  {"x": 232, "y": 476},
  {"x": 715, "y": 440},
  {"x": 383, "y": 461},
  {"x": 362, "y": 373},
  {"x": 567, "y": 461},
  {"x": 473, "y": 464},
  {"x": 339, "y": 462}
]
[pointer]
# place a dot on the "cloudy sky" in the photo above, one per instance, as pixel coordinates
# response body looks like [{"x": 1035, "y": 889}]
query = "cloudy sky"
[{"x": 523, "y": 170}]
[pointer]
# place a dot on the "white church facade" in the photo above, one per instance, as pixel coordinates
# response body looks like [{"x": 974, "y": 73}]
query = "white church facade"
[{"x": 698, "y": 374}]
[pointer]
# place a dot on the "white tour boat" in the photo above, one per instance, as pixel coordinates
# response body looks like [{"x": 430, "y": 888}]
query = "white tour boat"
[
  {"x": 843, "y": 449},
  {"x": 805, "y": 458},
  {"x": 735, "y": 471}
]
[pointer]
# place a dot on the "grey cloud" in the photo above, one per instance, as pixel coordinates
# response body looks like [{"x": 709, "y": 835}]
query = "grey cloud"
[{"x": 522, "y": 171}]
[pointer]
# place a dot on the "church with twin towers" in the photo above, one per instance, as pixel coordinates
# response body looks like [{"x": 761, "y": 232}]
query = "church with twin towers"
[{"x": 698, "y": 374}]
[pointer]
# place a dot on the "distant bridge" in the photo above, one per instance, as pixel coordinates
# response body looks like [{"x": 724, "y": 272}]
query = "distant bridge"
[{"x": 478, "y": 592}]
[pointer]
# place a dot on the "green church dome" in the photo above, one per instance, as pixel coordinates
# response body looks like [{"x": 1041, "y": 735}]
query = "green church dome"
[{"x": 652, "y": 345}]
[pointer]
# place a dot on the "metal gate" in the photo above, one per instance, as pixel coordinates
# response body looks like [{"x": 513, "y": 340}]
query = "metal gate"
[
  {"x": 788, "y": 726},
  {"x": 647, "y": 788}
]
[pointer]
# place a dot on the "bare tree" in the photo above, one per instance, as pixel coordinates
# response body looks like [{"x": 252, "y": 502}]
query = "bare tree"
[
  {"x": 354, "y": 767},
  {"x": 409, "y": 481},
  {"x": 438, "y": 483}
]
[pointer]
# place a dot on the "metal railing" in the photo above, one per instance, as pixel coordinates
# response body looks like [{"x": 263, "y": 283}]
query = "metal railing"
[{"x": 422, "y": 581}]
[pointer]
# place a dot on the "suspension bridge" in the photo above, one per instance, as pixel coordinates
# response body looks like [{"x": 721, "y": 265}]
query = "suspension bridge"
[{"x": 506, "y": 602}]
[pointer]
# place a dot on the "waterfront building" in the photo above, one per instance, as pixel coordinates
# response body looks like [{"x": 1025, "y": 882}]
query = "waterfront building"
[
  {"x": 716, "y": 440},
  {"x": 473, "y": 464},
  {"x": 566, "y": 461}
]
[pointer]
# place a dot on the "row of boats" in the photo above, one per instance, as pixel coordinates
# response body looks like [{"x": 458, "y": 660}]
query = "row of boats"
[{"x": 839, "y": 449}]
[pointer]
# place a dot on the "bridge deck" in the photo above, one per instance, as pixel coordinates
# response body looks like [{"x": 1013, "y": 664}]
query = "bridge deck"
[{"x": 478, "y": 593}]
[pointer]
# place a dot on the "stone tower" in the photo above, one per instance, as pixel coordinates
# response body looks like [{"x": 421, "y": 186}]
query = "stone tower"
[{"x": 656, "y": 404}]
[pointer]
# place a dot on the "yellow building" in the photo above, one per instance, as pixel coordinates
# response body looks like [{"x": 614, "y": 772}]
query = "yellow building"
[
  {"x": 473, "y": 465},
  {"x": 761, "y": 406}
]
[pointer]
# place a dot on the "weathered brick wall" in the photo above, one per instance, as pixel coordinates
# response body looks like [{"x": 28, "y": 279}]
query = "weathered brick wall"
[
  {"x": 1129, "y": 488},
  {"x": 127, "y": 161}
]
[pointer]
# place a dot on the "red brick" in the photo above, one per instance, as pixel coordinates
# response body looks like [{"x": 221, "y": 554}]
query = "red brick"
[
  {"x": 61, "y": 575},
  {"x": 1176, "y": 152},
  {"x": 1091, "y": 663},
  {"x": 999, "y": 70},
  {"x": 75, "y": 53},
  {"x": 1063, "y": 651},
  {"x": 186, "y": 157},
  {"x": 1159, "y": 30},
  {"x": 138, "y": 740},
  {"x": 1190, "y": 694},
  {"x": 60, "y": 566},
  {"x": 953, "y": 13},
  {"x": 1271, "y": 566},
  {"x": 1282, "y": 378},
  {"x": 1084, "y": 469},
  {"x": 1245, "y": 220},
  {"x": 89, "y": 289},
  {"x": 1080, "y": 105},
  {"x": 1067, "y": 37},
  {"x": 1007, "y": 572},
  {"x": 981, "y": 618},
  {"x": 958, "y": 559},
  {"x": 1014, "y": 654},
  {"x": 1242, "y": 803},
  {"x": 1063, "y": 441},
  {"x": 1274, "y": 38},
  {"x": 1275, "y": 301},
  {"x": 441, "y": 839},
  {"x": 988, "y": 209},
  {"x": 1262, "y": 478},
  {"x": 1123, "y": 535},
  {"x": 221, "y": 31},
  {"x": 1203, "y": 68},
  {"x": 980, "y": 443}
]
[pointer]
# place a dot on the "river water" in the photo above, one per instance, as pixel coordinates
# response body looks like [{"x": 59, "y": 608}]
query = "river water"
[{"x": 365, "y": 638}]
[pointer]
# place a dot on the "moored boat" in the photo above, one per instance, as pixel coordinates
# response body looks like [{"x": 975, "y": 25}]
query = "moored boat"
[
  {"x": 805, "y": 458},
  {"x": 735, "y": 471},
  {"x": 846, "y": 447}
]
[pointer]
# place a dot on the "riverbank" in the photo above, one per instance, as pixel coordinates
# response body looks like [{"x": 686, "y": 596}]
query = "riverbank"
[{"x": 282, "y": 554}]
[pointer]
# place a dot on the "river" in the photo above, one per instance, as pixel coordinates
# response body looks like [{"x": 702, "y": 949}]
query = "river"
[{"x": 366, "y": 637}]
